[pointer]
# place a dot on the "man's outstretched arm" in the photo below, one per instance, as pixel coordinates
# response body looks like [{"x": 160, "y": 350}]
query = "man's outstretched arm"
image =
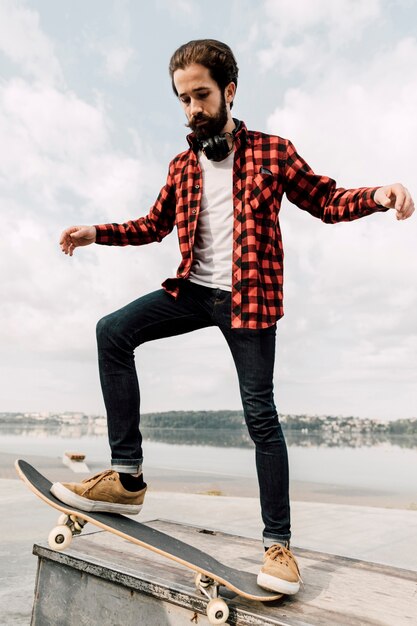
[
  {"x": 319, "y": 195},
  {"x": 153, "y": 227}
]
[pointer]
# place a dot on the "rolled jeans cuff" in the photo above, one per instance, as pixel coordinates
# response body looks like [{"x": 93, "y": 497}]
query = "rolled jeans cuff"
[
  {"x": 127, "y": 467},
  {"x": 283, "y": 540}
]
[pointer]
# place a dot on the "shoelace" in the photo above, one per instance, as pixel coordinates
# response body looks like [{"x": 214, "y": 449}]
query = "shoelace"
[
  {"x": 96, "y": 479},
  {"x": 279, "y": 553}
]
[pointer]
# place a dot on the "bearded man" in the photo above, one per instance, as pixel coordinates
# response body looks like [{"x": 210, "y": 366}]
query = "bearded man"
[{"x": 223, "y": 194}]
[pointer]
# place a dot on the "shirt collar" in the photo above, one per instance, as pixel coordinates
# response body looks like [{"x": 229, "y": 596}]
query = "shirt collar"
[{"x": 240, "y": 134}]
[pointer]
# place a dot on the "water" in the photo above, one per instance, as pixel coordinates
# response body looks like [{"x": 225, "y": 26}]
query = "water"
[{"x": 383, "y": 467}]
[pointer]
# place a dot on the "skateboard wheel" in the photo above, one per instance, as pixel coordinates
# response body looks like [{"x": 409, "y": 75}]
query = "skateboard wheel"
[
  {"x": 60, "y": 537},
  {"x": 63, "y": 519},
  {"x": 217, "y": 611}
]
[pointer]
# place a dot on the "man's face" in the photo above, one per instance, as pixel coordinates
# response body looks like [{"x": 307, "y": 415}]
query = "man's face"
[{"x": 204, "y": 104}]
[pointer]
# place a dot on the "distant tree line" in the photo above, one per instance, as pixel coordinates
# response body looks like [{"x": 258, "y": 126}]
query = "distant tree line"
[
  {"x": 193, "y": 419},
  {"x": 403, "y": 427},
  {"x": 235, "y": 420}
]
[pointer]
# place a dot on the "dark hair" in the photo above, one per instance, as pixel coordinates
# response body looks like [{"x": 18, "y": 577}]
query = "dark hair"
[{"x": 216, "y": 56}]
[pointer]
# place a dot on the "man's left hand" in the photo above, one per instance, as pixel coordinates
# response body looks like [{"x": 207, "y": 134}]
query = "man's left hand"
[{"x": 396, "y": 197}]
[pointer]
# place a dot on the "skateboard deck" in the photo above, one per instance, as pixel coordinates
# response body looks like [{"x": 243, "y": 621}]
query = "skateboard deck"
[{"x": 211, "y": 573}]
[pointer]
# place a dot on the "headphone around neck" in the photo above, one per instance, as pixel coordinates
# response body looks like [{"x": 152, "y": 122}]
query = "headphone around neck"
[{"x": 217, "y": 148}]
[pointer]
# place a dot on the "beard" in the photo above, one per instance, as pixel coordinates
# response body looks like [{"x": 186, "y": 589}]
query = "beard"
[{"x": 212, "y": 124}]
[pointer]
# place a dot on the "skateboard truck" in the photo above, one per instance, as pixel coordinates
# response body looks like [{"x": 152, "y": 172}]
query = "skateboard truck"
[
  {"x": 217, "y": 609},
  {"x": 61, "y": 535}
]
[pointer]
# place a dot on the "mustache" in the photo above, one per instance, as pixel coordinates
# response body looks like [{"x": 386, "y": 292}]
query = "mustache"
[{"x": 199, "y": 117}]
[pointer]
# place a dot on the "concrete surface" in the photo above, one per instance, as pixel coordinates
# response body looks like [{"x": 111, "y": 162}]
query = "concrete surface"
[{"x": 380, "y": 535}]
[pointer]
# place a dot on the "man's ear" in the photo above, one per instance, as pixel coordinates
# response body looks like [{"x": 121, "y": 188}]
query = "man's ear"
[{"x": 230, "y": 92}]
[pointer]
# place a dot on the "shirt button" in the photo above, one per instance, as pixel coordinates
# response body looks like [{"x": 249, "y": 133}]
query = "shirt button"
[
  {"x": 196, "y": 187},
  {"x": 194, "y": 211}
]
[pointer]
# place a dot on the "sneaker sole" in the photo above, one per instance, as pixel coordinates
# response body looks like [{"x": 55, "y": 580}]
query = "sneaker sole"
[
  {"x": 84, "y": 504},
  {"x": 272, "y": 583}
]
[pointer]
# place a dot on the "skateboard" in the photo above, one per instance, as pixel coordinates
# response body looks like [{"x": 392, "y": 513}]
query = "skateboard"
[{"x": 210, "y": 574}]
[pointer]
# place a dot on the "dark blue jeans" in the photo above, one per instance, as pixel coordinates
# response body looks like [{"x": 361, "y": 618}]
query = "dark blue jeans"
[{"x": 159, "y": 315}]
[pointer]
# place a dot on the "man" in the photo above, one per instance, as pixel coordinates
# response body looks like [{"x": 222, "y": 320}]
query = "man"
[{"x": 223, "y": 194}]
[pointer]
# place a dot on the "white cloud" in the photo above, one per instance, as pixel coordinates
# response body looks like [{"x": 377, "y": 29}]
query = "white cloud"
[
  {"x": 116, "y": 57},
  {"x": 53, "y": 142},
  {"x": 117, "y": 60},
  {"x": 22, "y": 40},
  {"x": 185, "y": 8},
  {"x": 345, "y": 15},
  {"x": 303, "y": 34}
]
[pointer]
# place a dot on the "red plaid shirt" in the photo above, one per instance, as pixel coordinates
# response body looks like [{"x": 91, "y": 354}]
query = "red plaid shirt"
[{"x": 265, "y": 167}]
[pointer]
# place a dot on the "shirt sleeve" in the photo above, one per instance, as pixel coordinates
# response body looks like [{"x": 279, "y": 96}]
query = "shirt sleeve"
[
  {"x": 153, "y": 227},
  {"x": 319, "y": 195}
]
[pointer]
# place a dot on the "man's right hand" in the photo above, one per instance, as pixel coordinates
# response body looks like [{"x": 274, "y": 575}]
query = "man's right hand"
[{"x": 76, "y": 236}]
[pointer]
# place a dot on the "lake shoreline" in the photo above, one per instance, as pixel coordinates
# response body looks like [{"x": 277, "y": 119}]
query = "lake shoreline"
[{"x": 192, "y": 482}]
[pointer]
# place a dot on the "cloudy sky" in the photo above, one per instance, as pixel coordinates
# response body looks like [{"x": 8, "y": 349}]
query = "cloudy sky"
[{"x": 88, "y": 125}]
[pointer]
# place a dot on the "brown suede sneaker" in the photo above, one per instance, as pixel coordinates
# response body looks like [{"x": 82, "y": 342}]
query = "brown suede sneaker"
[
  {"x": 280, "y": 571},
  {"x": 102, "y": 492}
]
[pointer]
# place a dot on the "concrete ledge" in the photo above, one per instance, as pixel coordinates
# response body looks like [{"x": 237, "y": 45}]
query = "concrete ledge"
[{"x": 105, "y": 580}]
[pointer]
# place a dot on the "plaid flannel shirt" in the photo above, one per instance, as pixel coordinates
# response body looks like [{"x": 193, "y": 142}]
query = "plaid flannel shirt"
[{"x": 265, "y": 167}]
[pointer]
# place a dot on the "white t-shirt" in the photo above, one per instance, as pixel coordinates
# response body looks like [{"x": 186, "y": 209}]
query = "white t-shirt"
[{"x": 213, "y": 245}]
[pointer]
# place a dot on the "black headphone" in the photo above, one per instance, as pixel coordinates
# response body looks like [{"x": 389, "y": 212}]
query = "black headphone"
[{"x": 217, "y": 148}]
